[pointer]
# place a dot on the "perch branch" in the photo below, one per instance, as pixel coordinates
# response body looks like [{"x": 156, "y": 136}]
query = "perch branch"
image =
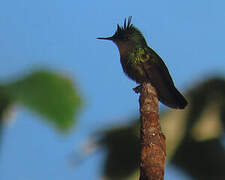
[{"x": 153, "y": 148}]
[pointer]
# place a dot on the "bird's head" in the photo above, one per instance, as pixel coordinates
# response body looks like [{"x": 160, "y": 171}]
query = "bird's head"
[{"x": 127, "y": 37}]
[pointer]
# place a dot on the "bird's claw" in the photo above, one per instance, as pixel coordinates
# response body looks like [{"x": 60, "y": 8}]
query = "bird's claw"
[{"x": 137, "y": 89}]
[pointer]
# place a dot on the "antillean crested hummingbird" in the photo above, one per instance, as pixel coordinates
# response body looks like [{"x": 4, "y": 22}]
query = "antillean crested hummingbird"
[{"x": 143, "y": 65}]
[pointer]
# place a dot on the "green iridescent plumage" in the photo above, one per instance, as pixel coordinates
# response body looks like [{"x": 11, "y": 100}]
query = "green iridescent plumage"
[{"x": 142, "y": 64}]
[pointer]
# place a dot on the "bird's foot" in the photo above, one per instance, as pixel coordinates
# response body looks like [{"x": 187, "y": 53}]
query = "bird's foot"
[{"x": 137, "y": 89}]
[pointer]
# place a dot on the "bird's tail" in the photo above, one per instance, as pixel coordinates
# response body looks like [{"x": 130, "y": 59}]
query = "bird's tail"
[{"x": 172, "y": 98}]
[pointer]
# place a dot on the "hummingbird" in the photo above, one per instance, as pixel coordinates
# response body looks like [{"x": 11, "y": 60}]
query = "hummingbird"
[{"x": 143, "y": 65}]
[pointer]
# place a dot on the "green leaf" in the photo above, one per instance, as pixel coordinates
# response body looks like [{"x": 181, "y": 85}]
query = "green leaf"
[
  {"x": 4, "y": 108},
  {"x": 52, "y": 95}
]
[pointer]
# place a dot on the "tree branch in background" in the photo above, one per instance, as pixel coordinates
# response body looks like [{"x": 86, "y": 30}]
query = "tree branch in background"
[{"x": 153, "y": 148}]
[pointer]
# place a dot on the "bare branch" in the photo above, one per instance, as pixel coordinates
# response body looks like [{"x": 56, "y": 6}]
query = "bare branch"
[{"x": 153, "y": 148}]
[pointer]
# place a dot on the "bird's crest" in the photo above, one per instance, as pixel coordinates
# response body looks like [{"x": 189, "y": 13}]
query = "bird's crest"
[{"x": 127, "y": 29}]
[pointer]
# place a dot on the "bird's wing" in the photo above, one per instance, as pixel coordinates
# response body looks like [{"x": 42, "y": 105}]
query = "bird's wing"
[{"x": 160, "y": 78}]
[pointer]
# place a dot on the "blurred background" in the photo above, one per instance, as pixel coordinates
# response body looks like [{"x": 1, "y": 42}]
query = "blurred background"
[{"x": 67, "y": 111}]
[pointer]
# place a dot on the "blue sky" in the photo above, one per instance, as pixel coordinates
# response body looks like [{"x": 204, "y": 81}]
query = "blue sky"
[{"x": 188, "y": 35}]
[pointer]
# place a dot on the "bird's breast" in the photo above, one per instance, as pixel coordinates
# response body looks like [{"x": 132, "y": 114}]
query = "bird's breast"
[{"x": 133, "y": 68}]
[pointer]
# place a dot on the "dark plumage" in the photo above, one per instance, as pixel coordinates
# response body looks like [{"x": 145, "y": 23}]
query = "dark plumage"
[{"x": 142, "y": 64}]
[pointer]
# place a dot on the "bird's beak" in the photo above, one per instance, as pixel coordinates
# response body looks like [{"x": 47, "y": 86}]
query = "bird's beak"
[{"x": 106, "y": 38}]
